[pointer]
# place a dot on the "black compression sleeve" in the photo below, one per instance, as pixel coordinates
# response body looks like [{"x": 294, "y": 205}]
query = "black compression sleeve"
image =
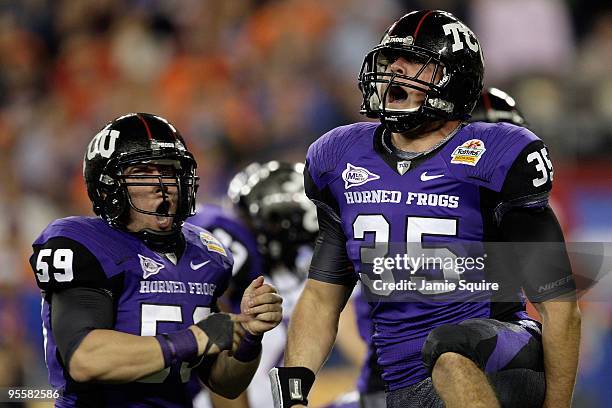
[
  {"x": 77, "y": 311},
  {"x": 540, "y": 252},
  {"x": 330, "y": 262}
]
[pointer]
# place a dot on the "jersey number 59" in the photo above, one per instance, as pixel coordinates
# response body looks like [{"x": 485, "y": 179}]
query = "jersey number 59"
[{"x": 62, "y": 259}]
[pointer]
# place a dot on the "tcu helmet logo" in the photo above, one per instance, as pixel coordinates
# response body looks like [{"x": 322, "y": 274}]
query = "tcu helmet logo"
[
  {"x": 470, "y": 39},
  {"x": 103, "y": 144}
]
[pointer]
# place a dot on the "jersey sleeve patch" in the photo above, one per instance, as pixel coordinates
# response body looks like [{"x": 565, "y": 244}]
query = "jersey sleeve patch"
[
  {"x": 212, "y": 244},
  {"x": 469, "y": 152},
  {"x": 203, "y": 239},
  {"x": 486, "y": 152}
]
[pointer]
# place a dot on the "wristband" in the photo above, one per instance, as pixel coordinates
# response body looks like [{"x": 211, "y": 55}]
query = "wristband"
[
  {"x": 177, "y": 347},
  {"x": 290, "y": 385},
  {"x": 249, "y": 347}
]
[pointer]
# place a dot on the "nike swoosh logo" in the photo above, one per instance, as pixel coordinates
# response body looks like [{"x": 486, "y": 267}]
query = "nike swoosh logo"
[
  {"x": 425, "y": 177},
  {"x": 195, "y": 267}
]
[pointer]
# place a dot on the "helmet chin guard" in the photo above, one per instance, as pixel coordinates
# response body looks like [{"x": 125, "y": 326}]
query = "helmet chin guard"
[{"x": 160, "y": 241}]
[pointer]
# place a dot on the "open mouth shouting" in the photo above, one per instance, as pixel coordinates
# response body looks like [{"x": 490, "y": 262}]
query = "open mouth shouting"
[
  {"x": 396, "y": 95},
  {"x": 164, "y": 221}
]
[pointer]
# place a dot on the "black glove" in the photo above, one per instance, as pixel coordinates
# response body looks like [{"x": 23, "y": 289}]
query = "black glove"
[{"x": 220, "y": 331}]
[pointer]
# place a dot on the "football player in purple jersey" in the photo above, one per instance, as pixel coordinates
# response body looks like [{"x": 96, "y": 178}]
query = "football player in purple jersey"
[
  {"x": 129, "y": 302},
  {"x": 494, "y": 105},
  {"x": 414, "y": 207},
  {"x": 270, "y": 227}
]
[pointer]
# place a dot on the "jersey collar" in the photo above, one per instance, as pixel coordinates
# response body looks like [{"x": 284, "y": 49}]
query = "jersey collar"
[{"x": 400, "y": 161}]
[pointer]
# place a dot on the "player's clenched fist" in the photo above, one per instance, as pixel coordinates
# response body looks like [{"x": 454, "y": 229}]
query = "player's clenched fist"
[{"x": 261, "y": 307}]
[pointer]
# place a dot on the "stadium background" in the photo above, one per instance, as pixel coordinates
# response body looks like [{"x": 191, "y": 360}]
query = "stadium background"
[{"x": 249, "y": 80}]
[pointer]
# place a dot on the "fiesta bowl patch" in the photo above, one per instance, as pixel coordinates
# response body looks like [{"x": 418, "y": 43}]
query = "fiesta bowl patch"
[
  {"x": 469, "y": 152},
  {"x": 211, "y": 243}
]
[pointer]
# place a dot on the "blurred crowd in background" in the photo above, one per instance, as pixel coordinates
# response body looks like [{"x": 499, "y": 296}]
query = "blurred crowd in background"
[{"x": 247, "y": 80}]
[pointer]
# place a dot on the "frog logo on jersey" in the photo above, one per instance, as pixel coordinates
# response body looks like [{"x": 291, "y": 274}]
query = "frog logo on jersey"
[
  {"x": 356, "y": 176},
  {"x": 212, "y": 243},
  {"x": 149, "y": 266},
  {"x": 469, "y": 152}
]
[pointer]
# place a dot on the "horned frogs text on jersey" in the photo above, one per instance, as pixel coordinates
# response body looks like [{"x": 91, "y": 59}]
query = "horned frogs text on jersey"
[
  {"x": 456, "y": 194},
  {"x": 153, "y": 293}
]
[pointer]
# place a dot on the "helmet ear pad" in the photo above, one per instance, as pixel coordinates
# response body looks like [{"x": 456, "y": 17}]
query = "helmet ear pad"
[
  {"x": 457, "y": 91},
  {"x": 186, "y": 206},
  {"x": 115, "y": 201}
]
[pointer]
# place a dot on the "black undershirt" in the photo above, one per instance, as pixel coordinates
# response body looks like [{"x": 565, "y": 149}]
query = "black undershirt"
[{"x": 77, "y": 311}]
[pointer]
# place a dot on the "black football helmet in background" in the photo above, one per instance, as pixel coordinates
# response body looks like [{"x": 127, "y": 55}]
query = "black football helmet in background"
[
  {"x": 495, "y": 105},
  {"x": 427, "y": 37},
  {"x": 140, "y": 138},
  {"x": 271, "y": 198}
]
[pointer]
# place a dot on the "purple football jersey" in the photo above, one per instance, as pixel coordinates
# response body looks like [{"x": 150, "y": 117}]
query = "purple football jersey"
[
  {"x": 156, "y": 296},
  {"x": 235, "y": 235},
  {"x": 389, "y": 207}
]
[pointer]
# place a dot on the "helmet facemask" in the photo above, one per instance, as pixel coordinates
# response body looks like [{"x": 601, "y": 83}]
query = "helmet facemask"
[
  {"x": 176, "y": 182},
  {"x": 381, "y": 87}
]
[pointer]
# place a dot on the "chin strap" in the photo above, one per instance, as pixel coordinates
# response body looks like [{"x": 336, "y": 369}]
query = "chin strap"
[
  {"x": 161, "y": 241},
  {"x": 410, "y": 126}
]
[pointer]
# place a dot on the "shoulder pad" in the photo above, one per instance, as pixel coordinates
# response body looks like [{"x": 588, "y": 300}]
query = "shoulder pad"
[
  {"x": 110, "y": 246},
  {"x": 326, "y": 152},
  {"x": 483, "y": 153},
  {"x": 234, "y": 234},
  {"x": 202, "y": 238},
  {"x": 78, "y": 251}
]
